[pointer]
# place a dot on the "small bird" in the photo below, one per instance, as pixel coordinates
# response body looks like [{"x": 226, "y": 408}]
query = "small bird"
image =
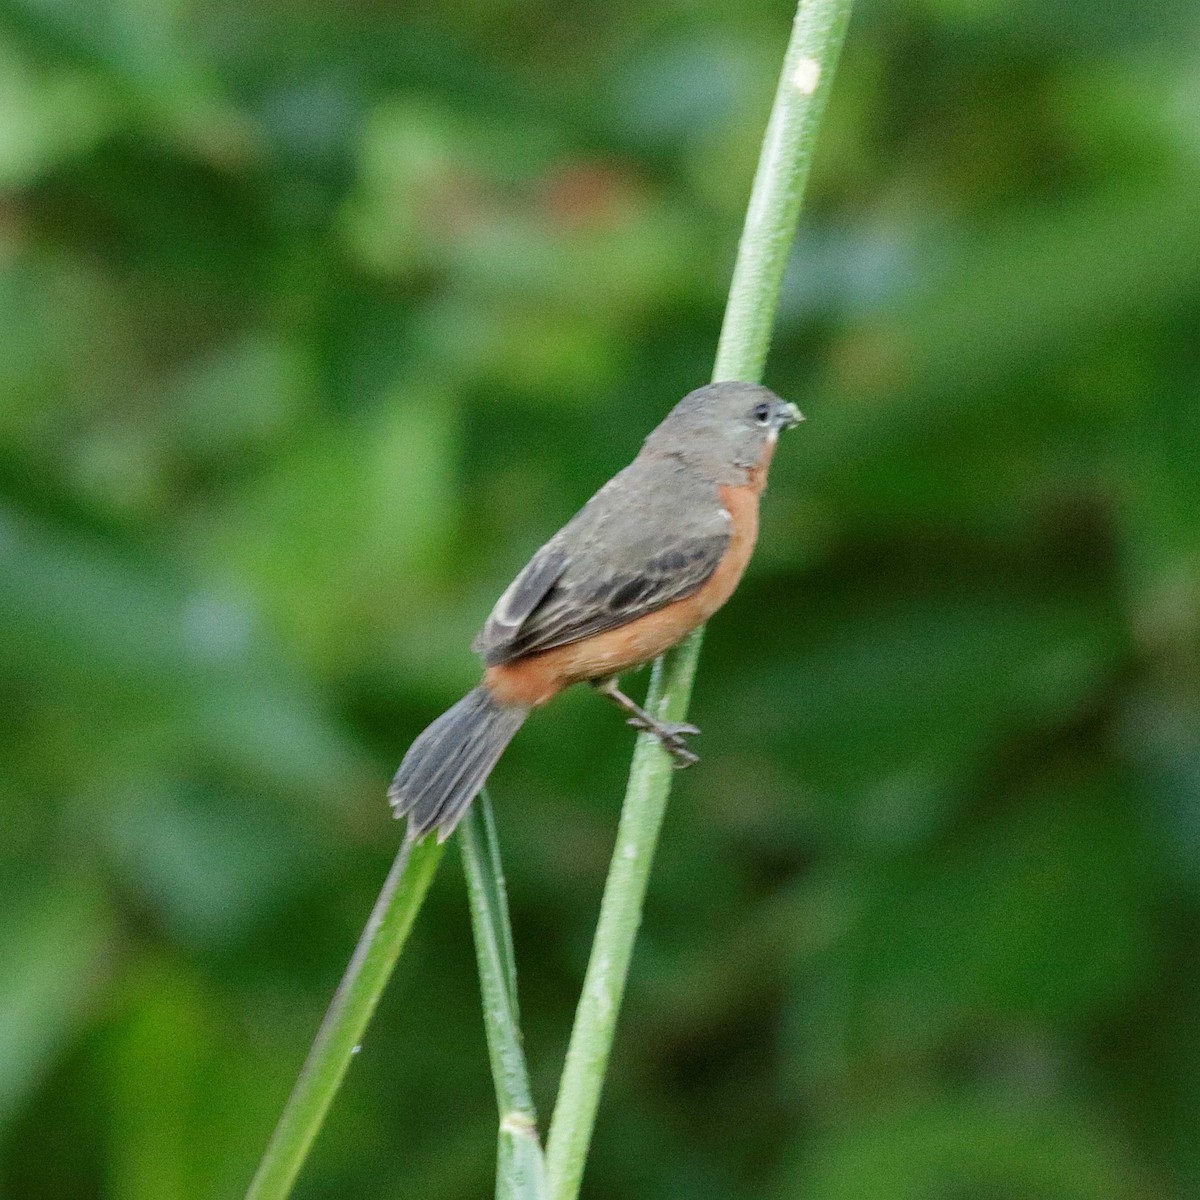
[{"x": 651, "y": 556}]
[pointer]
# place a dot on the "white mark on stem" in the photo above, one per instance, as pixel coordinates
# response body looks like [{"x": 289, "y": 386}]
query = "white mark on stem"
[
  {"x": 518, "y": 1123},
  {"x": 807, "y": 75},
  {"x": 356, "y": 1049}
]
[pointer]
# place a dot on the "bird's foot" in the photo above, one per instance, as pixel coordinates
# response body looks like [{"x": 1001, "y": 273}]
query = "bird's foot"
[{"x": 671, "y": 734}]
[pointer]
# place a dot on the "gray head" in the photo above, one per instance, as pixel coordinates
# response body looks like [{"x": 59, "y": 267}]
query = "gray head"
[{"x": 724, "y": 429}]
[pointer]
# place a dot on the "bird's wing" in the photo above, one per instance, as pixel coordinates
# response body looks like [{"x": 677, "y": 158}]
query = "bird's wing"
[
  {"x": 519, "y": 601},
  {"x": 637, "y": 546}
]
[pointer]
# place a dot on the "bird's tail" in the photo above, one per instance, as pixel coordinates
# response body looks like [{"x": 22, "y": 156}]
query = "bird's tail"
[{"x": 449, "y": 763}]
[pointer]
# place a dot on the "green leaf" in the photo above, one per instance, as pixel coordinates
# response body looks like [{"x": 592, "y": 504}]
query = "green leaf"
[
  {"x": 1040, "y": 917},
  {"x": 972, "y": 1147},
  {"x": 54, "y": 943}
]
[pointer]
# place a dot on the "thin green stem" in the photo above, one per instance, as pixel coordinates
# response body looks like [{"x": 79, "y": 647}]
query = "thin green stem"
[
  {"x": 346, "y": 1020},
  {"x": 778, "y": 190},
  {"x": 520, "y": 1166},
  {"x": 745, "y": 336},
  {"x": 774, "y": 207}
]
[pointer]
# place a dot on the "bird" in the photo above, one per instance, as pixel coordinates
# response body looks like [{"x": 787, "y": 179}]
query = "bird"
[{"x": 650, "y": 557}]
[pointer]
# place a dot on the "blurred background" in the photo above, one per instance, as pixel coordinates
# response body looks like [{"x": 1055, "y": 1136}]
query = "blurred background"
[{"x": 317, "y": 318}]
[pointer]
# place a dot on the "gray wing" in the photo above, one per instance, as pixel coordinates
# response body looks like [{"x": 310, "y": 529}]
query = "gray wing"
[
  {"x": 520, "y": 599},
  {"x": 634, "y": 548}
]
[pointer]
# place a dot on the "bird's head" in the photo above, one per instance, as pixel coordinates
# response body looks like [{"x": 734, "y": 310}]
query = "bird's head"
[{"x": 724, "y": 429}]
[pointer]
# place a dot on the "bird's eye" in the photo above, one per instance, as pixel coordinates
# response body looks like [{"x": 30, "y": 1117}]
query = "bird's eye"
[{"x": 761, "y": 414}]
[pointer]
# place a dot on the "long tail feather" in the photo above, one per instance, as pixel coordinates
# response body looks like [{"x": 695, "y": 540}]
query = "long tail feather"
[{"x": 449, "y": 763}]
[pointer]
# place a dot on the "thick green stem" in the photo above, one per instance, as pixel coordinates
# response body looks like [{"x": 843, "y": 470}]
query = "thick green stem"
[
  {"x": 766, "y": 241},
  {"x": 520, "y": 1166},
  {"x": 347, "y": 1018},
  {"x": 762, "y": 256}
]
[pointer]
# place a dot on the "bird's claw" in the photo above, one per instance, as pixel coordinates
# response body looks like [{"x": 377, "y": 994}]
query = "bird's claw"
[{"x": 671, "y": 735}]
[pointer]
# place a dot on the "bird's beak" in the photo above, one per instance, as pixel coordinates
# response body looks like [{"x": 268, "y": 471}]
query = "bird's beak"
[{"x": 792, "y": 417}]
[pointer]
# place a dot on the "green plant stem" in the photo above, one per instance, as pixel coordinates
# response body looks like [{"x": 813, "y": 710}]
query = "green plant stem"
[
  {"x": 349, "y": 1012},
  {"x": 774, "y": 207},
  {"x": 745, "y": 336},
  {"x": 520, "y": 1166}
]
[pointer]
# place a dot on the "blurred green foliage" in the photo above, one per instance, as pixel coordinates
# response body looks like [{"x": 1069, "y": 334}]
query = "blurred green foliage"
[{"x": 317, "y": 318}]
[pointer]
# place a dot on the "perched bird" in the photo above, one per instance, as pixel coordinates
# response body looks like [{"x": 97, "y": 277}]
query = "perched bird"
[{"x": 652, "y": 555}]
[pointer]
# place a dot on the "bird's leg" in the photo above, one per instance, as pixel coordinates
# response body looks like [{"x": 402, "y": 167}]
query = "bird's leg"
[{"x": 670, "y": 733}]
